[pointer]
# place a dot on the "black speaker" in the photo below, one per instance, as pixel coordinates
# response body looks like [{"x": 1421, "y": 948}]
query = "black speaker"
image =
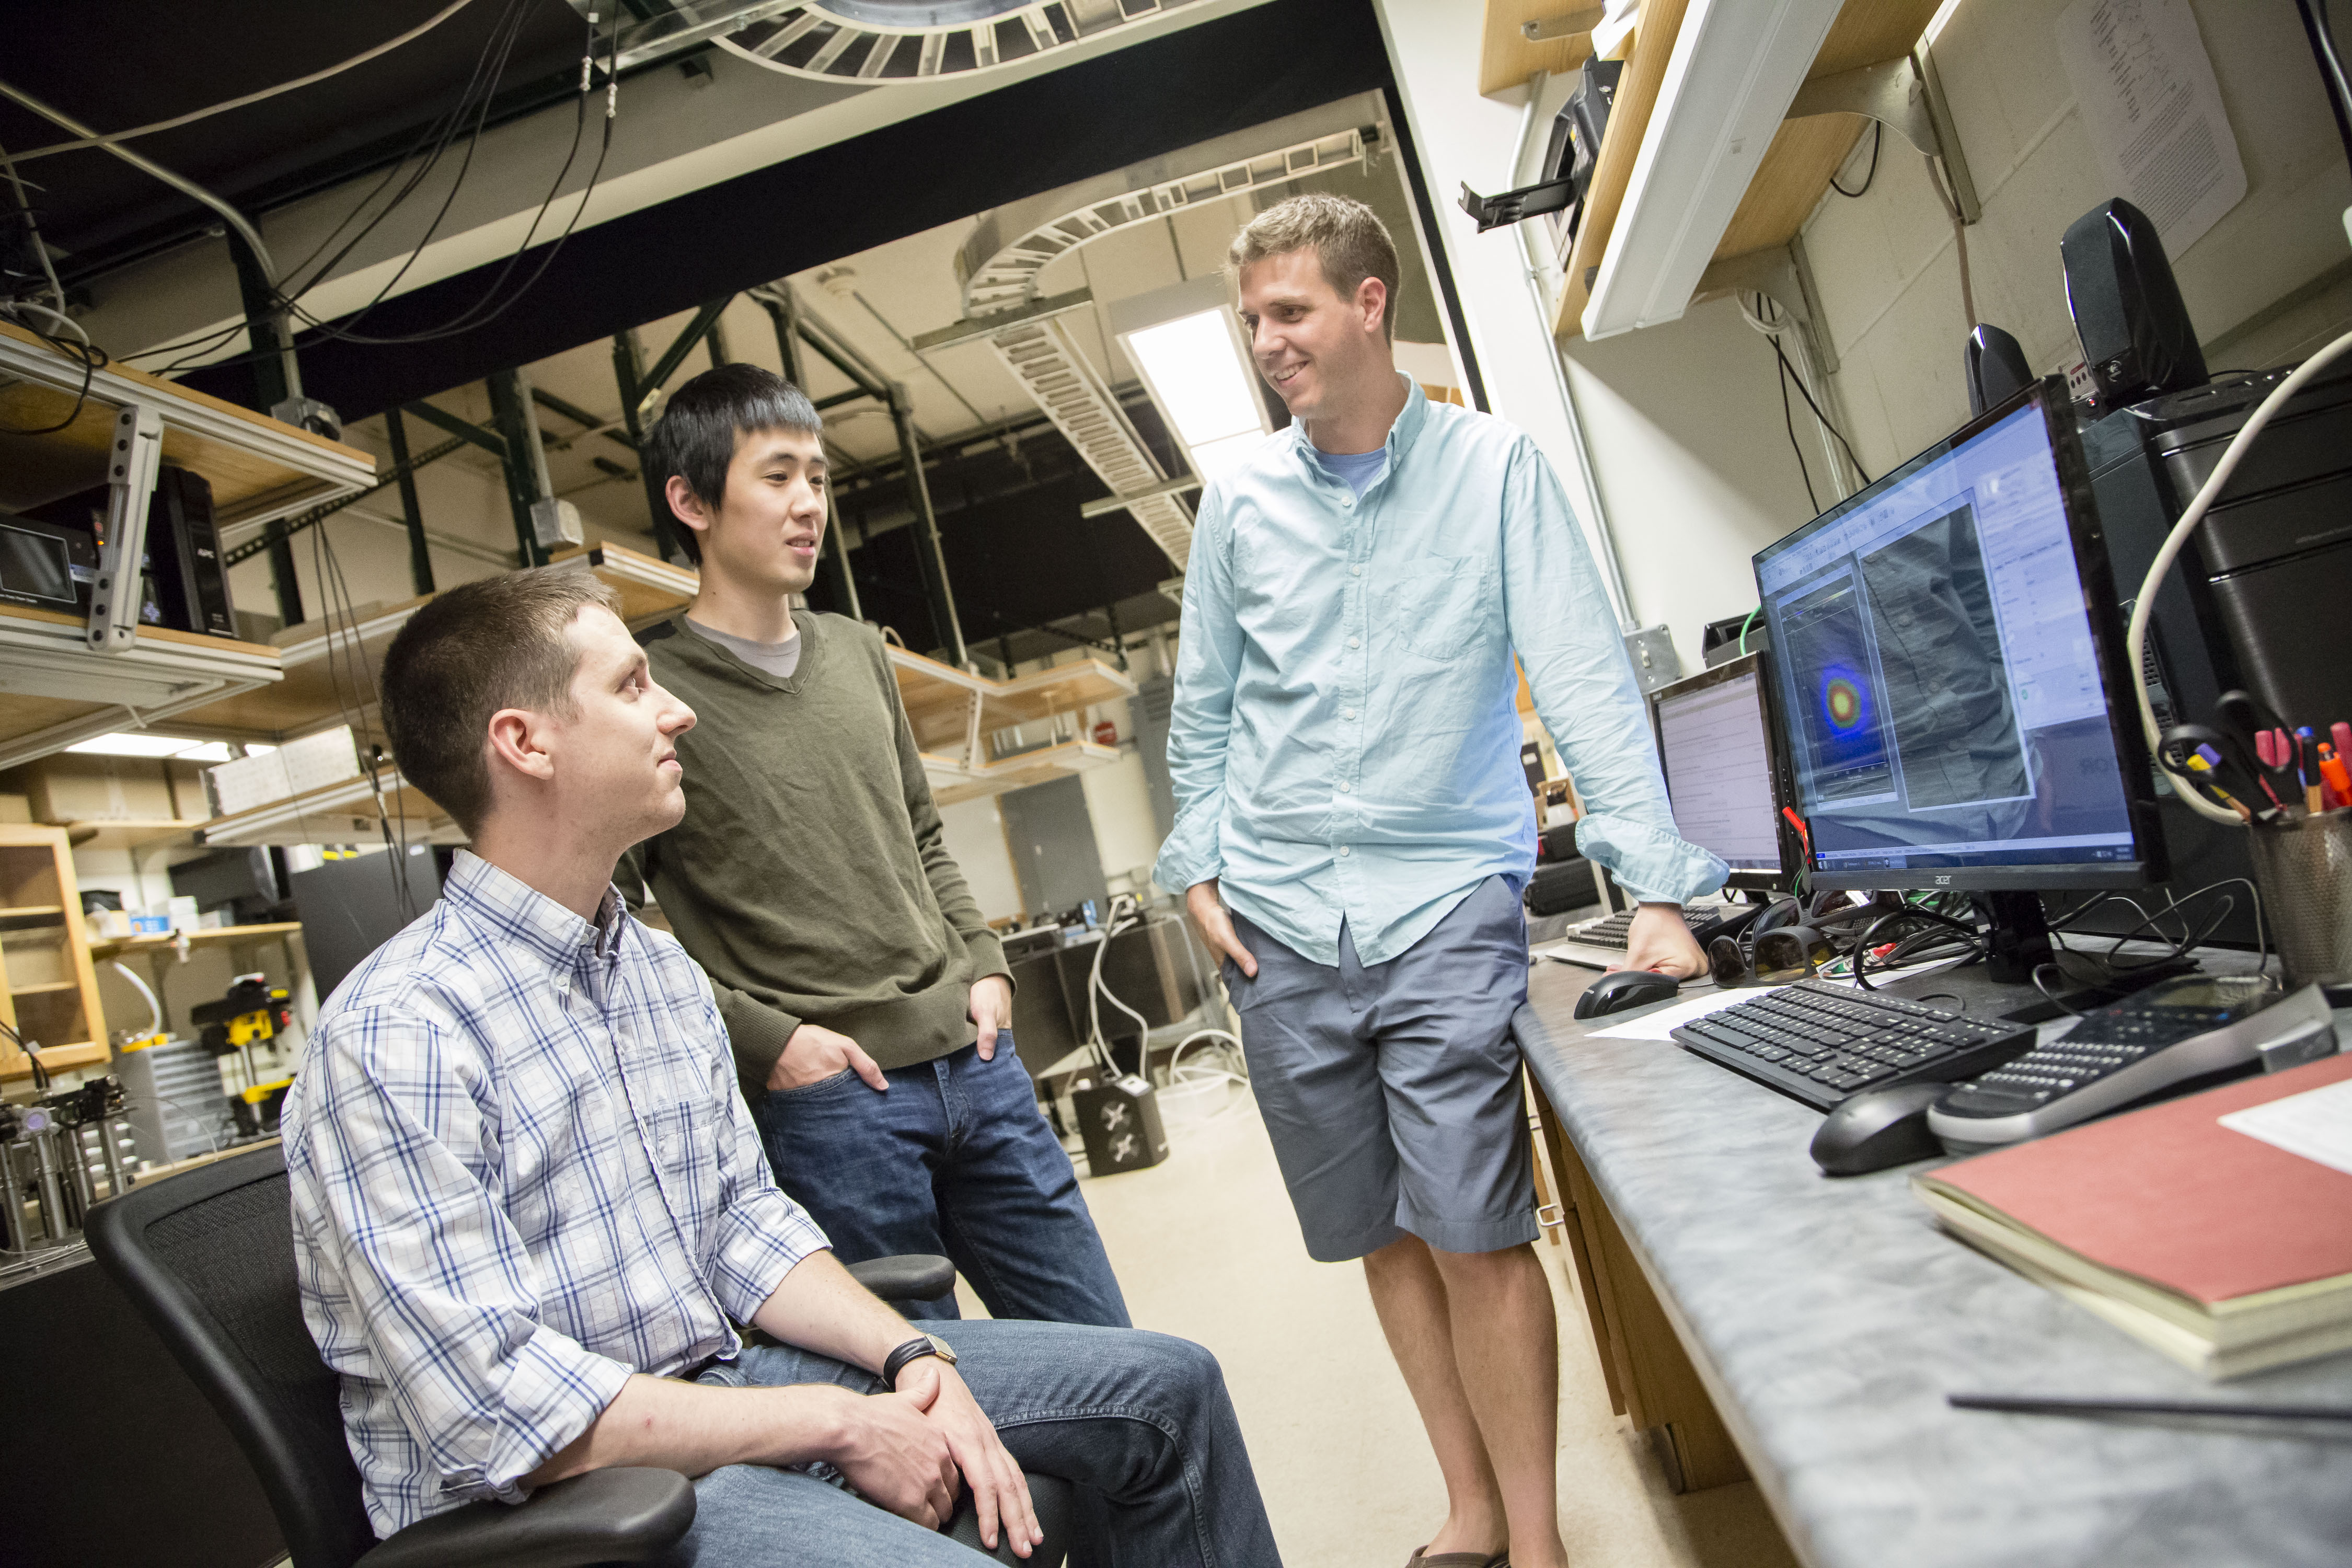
[
  {"x": 1996, "y": 368},
  {"x": 191, "y": 584},
  {"x": 2136, "y": 336}
]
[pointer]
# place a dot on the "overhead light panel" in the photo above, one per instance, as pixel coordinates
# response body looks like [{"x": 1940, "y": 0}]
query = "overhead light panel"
[
  {"x": 1736, "y": 68},
  {"x": 1186, "y": 344},
  {"x": 139, "y": 743}
]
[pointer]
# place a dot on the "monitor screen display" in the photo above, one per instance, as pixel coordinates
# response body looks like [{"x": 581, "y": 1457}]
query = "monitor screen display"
[
  {"x": 1939, "y": 667},
  {"x": 34, "y": 564},
  {"x": 1719, "y": 765}
]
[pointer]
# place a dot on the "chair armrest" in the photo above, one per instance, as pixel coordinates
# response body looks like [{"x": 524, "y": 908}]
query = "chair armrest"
[
  {"x": 911, "y": 1277},
  {"x": 627, "y": 1514}
]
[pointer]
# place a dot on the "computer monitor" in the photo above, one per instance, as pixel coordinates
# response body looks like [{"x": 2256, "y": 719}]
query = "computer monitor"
[
  {"x": 1951, "y": 665},
  {"x": 1726, "y": 773}
]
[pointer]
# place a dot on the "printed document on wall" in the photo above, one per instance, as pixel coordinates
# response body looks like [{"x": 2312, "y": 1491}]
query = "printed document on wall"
[{"x": 2145, "y": 88}]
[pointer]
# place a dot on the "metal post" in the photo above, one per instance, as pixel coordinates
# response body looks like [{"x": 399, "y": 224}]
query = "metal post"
[
  {"x": 281, "y": 574},
  {"x": 420, "y": 558},
  {"x": 628, "y": 373},
  {"x": 931, "y": 562},
  {"x": 276, "y": 375},
  {"x": 525, "y": 464},
  {"x": 716, "y": 341},
  {"x": 784, "y": 312}
]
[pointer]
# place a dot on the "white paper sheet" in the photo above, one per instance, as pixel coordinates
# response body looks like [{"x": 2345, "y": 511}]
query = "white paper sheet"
[
  {"x": 2315, "y": 1124},
  {"x": 1659, "y": 1025},
  {"x": 2145, "y": 88}
]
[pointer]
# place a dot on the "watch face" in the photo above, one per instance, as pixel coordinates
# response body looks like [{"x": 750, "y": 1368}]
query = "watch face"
[{"x": 947, "y": 1350}]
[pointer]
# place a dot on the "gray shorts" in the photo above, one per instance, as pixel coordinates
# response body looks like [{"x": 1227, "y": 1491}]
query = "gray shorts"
[{"x": 1392, "y": 1092}]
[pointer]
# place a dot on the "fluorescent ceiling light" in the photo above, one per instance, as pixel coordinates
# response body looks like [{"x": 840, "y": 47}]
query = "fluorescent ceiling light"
[
  {"x": 1735, "y": 71},
  {"x": 1187, "y": 345},
  {"x": 138, "y": 744}
]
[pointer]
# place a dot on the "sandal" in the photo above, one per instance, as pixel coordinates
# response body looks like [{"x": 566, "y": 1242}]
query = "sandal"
[{"x": 1457, "y": 1560}]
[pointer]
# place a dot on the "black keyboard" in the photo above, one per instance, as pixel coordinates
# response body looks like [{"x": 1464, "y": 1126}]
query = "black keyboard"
[
  {"x": 1613, "y": 931},
  {"x": 1821, "y": 1043}
]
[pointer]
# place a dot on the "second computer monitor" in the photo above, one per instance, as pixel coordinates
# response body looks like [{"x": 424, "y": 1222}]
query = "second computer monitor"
[
  {"x": 1726, "y": 777},
  {"x": 1949, "y": 658}
]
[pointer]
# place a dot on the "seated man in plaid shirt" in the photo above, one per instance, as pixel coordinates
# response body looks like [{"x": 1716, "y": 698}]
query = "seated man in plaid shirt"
[{"x": 529, "y": 1199}]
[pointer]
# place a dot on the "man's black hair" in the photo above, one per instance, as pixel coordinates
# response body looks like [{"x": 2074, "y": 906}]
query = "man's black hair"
[{"x": 695, "y": 437}]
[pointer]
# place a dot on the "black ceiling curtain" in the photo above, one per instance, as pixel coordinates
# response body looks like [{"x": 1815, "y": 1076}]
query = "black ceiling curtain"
[{"x": 1070, "y": 124}]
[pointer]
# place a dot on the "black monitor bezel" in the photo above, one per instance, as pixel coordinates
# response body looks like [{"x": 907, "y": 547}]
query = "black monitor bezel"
[
  {"x": 1775, "y": 751},
  {"x": 2096, "y": 577}
]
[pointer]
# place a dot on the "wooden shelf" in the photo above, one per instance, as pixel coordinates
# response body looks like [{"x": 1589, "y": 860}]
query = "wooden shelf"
[
  {"x": 131, "y": 834},
  {"x": 1795, "y": 170},
  {"x": 951, "y": 781},
  {"x": 32, "y": 911},
  {"x": 649, "y": 589},
  {"x": 258, "y": 467},
  {"x": 341, "y": 813},
  {"x": 938, "y": 697},
  {"x": 316, "y": 655},
  {"x": 1506, "y": 56},
  {"x": 55, "y": 1058},
  {"x": 55, "y": 691},
  {"x": 45, "y": 986},
  {"x": 102, "y": 948}
]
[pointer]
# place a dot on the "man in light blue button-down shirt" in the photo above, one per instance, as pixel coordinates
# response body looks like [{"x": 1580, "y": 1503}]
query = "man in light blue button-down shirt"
[{"x": 1344, "y": 753}]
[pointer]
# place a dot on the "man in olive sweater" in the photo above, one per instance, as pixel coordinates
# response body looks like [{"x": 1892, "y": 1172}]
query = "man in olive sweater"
[{"x": 868, "y": 1001}]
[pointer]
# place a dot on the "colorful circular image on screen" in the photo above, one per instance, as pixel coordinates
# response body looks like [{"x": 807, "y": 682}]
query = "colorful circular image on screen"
[{"x": 1846, "y": 701}]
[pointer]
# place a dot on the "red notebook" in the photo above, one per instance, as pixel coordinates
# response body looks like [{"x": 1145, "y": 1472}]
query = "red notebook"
[{"x": 2241, "y": 1250}]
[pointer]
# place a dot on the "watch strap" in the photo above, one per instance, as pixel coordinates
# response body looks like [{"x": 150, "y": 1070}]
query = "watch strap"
[{"x": 896, "y": 1361}]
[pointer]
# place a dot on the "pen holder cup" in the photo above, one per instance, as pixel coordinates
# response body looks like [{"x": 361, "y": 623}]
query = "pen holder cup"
[{"x": 2305, "y": 870}]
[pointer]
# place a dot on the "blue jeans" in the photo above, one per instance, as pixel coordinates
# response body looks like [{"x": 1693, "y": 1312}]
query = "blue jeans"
[
  {"x": 956, "y": 1159},
  {"x": 1140, "y": 1418}
]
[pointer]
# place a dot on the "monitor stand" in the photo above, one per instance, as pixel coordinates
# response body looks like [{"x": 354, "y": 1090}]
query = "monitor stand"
[{"x": 2002, "y": 984}]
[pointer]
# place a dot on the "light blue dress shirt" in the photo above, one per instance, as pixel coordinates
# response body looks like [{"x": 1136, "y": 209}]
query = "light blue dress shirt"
[{"x": 1345, "y": 743}]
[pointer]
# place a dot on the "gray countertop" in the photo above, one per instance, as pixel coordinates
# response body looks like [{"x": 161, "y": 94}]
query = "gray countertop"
[{"x": 1830, "y": 1317}]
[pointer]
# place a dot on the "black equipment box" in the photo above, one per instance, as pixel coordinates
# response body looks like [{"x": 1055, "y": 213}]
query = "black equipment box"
[
  {"x": 46, "y": 565},
  {"x": 186, "y": 585},
  {"x": 1120, "y": 1123}
]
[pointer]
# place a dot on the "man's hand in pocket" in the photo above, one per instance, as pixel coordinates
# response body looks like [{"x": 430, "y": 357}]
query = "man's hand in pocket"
[{"x": 815, "y": 1053}]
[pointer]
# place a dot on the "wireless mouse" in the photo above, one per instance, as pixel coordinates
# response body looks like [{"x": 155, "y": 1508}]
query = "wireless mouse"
[
  {"x": 1622, "y": 988},
  {"x": 1878, "y": 1128}
]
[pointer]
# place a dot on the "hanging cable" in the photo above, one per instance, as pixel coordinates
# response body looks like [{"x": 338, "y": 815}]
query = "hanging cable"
[
  {"x": 112, "y": 137},
  {"x": 1877, "y": 132}
]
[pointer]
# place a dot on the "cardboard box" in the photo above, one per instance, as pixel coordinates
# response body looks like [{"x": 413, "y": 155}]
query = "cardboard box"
[
  {"x": 296, "y": 768},
  {"x": 74, "y": 788}
]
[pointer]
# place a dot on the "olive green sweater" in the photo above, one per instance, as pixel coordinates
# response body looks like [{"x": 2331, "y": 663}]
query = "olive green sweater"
[{"x": 809, "y": 878}]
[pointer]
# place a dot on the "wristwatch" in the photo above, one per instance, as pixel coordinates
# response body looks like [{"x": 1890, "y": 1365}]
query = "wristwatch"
[{"x": 915, "y": 1349}]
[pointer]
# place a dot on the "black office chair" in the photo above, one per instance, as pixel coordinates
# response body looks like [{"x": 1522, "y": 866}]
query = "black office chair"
[{"x": 208, "y": 1257}]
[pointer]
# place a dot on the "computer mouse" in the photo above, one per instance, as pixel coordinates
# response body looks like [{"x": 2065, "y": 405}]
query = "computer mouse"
[
  {"x": 1622, "y": 988},
  {"x": 1878, "y": 1128}
]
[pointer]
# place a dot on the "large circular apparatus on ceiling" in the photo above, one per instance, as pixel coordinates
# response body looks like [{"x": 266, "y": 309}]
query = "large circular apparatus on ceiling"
[{"x": 892, "y": 41}]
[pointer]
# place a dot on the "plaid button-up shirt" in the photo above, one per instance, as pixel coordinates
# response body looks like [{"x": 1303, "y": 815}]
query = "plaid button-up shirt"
[{"x": 521, "y": 1171}]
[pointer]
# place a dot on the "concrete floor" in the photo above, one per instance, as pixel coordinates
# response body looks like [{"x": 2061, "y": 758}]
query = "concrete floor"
[{"x": 1206, "y": 1247}]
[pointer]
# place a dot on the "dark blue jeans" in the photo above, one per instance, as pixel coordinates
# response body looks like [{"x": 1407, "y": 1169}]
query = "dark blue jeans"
[
  {"x": 1141, "y": 1420},
  {"x": 954, "y": 1158}
]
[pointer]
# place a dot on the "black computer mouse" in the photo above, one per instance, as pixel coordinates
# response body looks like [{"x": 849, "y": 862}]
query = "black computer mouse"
[
  {"x": 1878, "y": 1128},
  {"x": 1622, "y": 988}
]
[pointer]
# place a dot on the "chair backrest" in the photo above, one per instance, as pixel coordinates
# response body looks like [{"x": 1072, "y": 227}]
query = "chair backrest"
[{"x": 208, "y": 1257}]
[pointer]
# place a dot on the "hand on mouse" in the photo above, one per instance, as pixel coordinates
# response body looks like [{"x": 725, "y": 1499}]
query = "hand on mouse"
[{"x": 1660, "y": 941}]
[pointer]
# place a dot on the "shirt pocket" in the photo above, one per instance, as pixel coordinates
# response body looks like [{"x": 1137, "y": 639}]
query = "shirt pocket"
[{"x": 1442, "y": 608}]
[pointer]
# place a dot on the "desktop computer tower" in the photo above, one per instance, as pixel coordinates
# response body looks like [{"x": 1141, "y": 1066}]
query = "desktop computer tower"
[{"x": 2258, "y": 597}]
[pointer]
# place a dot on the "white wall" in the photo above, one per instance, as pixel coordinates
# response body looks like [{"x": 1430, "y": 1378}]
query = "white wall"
[
  {"x": 1694, "y": 460},
  {"x": 1886, "y": 268},
  {"x": 975, "y": 832}
]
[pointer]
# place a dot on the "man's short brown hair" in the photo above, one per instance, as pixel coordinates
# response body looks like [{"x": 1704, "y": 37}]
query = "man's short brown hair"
[
  {"x": 497, "y": 643},
  {"x": 1348, "y": 238}
]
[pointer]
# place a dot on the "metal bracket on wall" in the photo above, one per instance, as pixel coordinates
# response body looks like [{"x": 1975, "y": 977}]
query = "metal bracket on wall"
[
  {"x": 1905, "y": 96},
  {"x": 131, "y": 469}
]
